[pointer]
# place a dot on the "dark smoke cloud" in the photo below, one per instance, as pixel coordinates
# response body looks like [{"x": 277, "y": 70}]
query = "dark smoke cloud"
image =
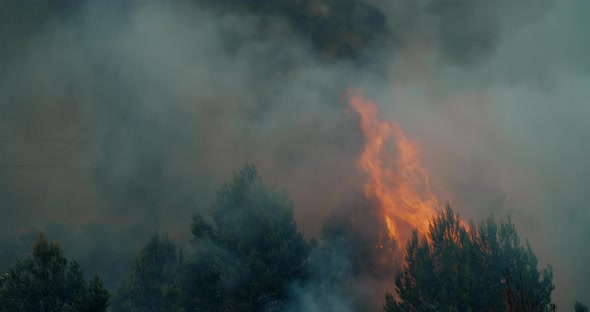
[
  {"x": 463, "y": 32},
  {"x": 130, "y": 116},
  {"x": 133, "y": 120},
  {"x": 150, "y": 105}
]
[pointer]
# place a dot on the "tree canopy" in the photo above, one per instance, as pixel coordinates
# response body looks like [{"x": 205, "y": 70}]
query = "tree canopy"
[
  {"x": 47, "y": 281},
  {"x": 478, "y": 268},
  {"x": 361, "y": 234},
  {"x": 153, "y": 282},
  {"x": 248, "y": 255},
  {"x": 580, "y": 307},
  {"x": 248, "y": 248}
]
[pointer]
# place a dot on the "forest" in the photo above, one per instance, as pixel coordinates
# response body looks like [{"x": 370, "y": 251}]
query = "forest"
[
  {"x": 248, "y": 255},
  {"x": 196, "y": 155}
]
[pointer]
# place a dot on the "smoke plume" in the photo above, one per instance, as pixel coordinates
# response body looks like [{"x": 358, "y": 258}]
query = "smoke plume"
[{"x": 117, "y": 120}]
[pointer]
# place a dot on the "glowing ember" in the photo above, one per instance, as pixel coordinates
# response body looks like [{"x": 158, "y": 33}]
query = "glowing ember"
[{"x": 395, "y": 177}]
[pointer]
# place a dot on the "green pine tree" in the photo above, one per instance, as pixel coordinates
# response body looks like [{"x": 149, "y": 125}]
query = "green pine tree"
[
  {"x": 248, "y": 248},
  {"x": 47, "y": 281},
  {"x": 153, "y": 282},
  {"x": 461, "y": 268}
]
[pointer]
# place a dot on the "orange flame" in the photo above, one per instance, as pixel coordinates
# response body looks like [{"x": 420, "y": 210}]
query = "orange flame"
[{"x": 395, "y": 178}]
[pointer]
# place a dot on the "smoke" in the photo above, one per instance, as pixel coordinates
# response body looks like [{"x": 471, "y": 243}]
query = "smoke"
[
  {"x": 130, "y": 116},
  {"x": 507, "y": 134},
  {"x": 133, "y": 117},
  {"x": 150, "y": 112},
  {"x": 354, "y": 262}
]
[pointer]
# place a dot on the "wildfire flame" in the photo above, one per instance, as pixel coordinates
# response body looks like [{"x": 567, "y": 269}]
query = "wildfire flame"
[{"x": 395, "y": 177}]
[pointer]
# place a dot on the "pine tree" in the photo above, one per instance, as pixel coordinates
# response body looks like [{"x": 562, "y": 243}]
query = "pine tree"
[
  {"x": 153, "y": 282},
  {"x": 248, "y": 248},
  {"x": 458, "y": 267},
  {"x": 47, "y": 281}
]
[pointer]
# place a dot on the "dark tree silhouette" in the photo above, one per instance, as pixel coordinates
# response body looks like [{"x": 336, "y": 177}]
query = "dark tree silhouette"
[
  {"x": 460, "y": 268},
  {"x": 47, "y": 281},
  {"x": 361, "y": 235},
  {"x": 580, "y": 307},
  {"x": 247, "y": 250},
  {"x": 354, "y": 254},
  {"x": 153, "y": 282}
]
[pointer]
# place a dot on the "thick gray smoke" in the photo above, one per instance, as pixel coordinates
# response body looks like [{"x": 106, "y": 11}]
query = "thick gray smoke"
[
  {"x": 509, "y": 134},
  {"x": 129, "y": 117},
  {"x": 144, "y": 117},
  {"x": 133, "y": 117}
]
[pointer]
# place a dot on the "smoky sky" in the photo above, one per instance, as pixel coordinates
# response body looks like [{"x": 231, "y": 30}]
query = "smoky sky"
[{"x": 129, "y": 117}]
